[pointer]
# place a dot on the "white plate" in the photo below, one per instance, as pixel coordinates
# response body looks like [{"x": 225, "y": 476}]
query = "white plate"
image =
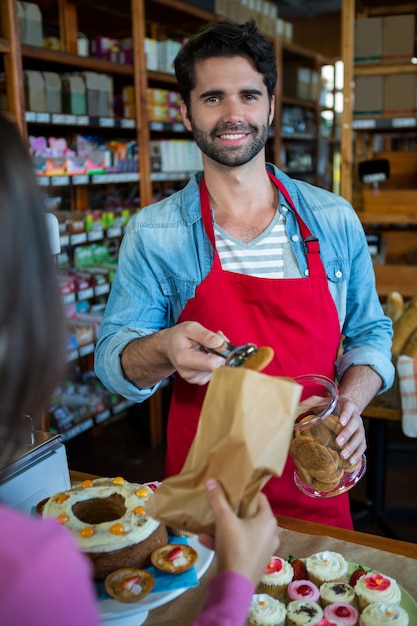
[{"x": 126, "y": 614}]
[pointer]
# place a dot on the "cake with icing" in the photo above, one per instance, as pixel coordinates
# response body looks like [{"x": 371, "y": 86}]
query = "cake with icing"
[
  {"x": 381, "y": 614},
  {"x": 325, "y": 567},
  {"x": 265, "y": 610},
  {"x": 276, "y": 578},
  {"x": 336, "y": 592},
  {"x": 303, "y": 590},
  {"x": 108, "y": 520},
  {"x": 303, "y": 613},
  {"x": 375, "y": 587},
  {"x": 344, "y": 612}
]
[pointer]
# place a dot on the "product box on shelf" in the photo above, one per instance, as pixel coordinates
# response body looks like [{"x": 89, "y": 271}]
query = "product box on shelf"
[
  {"x": 296, "y": 81},
  {"x": 53, "y": 95},
  {"x": 34, "y": 85},
  {"x": 92, "y": 91},
  {"x": 73, "y": 94},
  {"x": 398, "y": 40},
  {"x": 30, "y": 23},
  {"x": 368, "y": 40},
  {"x": 369, "y": 96},
  {"x": 400, "y": 94}
]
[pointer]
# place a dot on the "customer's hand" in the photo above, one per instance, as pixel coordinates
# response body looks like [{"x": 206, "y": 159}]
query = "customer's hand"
[
  {"x": 182, "y": 345},
  {"x": 242, "y": 545}
]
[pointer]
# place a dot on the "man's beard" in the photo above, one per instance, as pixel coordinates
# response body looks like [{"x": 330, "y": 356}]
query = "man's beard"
[{"x": 231, "y": 156}]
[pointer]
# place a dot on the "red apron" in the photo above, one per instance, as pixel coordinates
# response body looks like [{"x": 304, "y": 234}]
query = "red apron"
[{"x": 297, "y": 317}]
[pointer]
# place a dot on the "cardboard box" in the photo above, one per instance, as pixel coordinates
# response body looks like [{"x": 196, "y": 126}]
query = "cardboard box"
[
  {"x": 400, "y": 94},
  {"x": 369, "y": 96},
  {"x": 368, "y": 40},
  {"x": 34, "y": 91},
  {"x": 53, "y": 96},
  {"x": 30, "y": 23},
  {"x": 398, "y": 38},
  {"x": 296, "y": 82},
  {"x": 92, "y": 93},
  {"x": 73, "y": 94}
]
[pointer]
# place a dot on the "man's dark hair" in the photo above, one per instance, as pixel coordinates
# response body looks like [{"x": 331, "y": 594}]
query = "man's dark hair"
[{"x": 225, "y": 39}]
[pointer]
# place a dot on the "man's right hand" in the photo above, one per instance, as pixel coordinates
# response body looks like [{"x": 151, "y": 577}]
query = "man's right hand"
[{"x": 148, "y": 360}]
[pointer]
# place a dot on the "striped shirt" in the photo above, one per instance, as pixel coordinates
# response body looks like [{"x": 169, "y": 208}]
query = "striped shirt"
[{"x": 263, "y": 257}]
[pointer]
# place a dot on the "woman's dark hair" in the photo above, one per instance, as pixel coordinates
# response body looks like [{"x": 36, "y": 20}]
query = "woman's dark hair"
[
  {"x": 225, "y": 39},
  {"x": 32, "y": 336}
]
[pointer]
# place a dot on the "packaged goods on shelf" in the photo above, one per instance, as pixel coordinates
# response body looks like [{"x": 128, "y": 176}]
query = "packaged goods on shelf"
[
  {"x": 53, "y": 94},
  {"x": 175, "y": 155},
  {"x": 73, "y": 94},
  {"x": 368, "y": 40},
  {"x": 400, "y": 94},
  {"x": 369, "y": 96},
  {"x": 29, "y": 23},
  {"x": 398, "y": 38},
  {"x": 35, "y": 96}
]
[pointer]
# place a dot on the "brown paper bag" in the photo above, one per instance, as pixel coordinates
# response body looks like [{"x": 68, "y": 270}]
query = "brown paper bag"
[{"x": 242, "y": 439}]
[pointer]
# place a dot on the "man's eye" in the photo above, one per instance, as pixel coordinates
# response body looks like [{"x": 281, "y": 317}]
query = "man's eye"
[
  {"x": 212, "y": 99},
  {"x": 250, "y": 96}
]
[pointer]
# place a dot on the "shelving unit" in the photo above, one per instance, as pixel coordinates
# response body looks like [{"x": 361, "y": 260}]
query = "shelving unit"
[
  {"x": 391, "y": 211},
  {"x": 64, "y": 21}
]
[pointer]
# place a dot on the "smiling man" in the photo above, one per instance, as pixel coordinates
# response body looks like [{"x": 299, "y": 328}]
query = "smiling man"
[{"x": 244, "y": 251}]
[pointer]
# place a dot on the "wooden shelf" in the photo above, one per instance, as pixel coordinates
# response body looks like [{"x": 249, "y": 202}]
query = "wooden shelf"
[
  {"x": 402, "y": 278},
  {"x": 387, "y": 218}
]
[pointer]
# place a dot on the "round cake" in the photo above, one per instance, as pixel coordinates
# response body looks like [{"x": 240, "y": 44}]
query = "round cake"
[{"x": 107, "y": 518}]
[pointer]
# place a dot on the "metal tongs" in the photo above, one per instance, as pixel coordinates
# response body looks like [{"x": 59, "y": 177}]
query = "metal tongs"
[{"x": 235, "y": 355}]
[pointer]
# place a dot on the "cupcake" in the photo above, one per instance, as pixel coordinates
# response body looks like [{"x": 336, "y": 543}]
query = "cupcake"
[
  {"x": 303, "y": 612},
  {"x": 327, "y": 622},
  {"x": 326, "y": 566},
  {"x": 374, "y": 587},
  {"x": 344, "y": 612},
  {"x": 266, "y": 611},
  {"x": 377, "y": 614},
  {"x": 303, "y": 590},
  {"x": 336, "y": 592},
  {"x": 276, "y": 578}
]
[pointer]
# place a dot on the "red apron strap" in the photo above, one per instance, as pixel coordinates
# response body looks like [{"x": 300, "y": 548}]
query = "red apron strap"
[{"x": 311, "y": 244}]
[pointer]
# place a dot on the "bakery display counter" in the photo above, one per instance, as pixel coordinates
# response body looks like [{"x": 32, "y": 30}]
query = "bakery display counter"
[{"x": 300, "y": 539}]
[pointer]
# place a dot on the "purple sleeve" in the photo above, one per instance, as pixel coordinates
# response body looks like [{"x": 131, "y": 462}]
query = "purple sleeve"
[
  {"x": 44, "y": 579},
  {"x": 228, "y": 601}
]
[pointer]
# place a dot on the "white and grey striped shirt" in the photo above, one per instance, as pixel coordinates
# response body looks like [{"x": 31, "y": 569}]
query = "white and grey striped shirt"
[{"x": 268, "y": 256}]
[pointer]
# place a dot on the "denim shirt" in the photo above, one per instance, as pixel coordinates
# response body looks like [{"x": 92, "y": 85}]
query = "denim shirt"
[{"x": 165, "y": 254}]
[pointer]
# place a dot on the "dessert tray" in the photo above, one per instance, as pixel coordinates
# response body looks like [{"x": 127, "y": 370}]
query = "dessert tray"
[
  {"x": 117, "y": 613},
  {"x": 407, "y": 602}
]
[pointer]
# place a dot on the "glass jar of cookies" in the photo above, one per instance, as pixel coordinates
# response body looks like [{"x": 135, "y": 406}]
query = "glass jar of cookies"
[{"x": 321, "y": 471}]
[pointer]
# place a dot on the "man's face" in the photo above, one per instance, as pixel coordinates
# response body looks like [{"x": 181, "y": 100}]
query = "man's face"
[{"x": 229, "y": 111}]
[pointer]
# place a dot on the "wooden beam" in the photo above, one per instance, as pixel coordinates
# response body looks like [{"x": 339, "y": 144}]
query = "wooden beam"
[{"x": 348, "y": 30}]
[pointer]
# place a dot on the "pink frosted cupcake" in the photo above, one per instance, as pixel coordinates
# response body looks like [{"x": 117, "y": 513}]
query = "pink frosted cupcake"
[
  {"x": 343, "y": 612},
  {"x": 303, "y": 590},
  {"x": 276, "y": 578},
  {"x": 327, "y": 622}
]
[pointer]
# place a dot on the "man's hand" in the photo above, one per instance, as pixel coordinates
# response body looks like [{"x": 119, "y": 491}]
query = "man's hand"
[{"x": 148, "y": 360}]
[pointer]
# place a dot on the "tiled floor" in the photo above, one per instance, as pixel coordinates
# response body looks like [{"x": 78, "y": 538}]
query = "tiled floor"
[{"x": 123, "y": 448}]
